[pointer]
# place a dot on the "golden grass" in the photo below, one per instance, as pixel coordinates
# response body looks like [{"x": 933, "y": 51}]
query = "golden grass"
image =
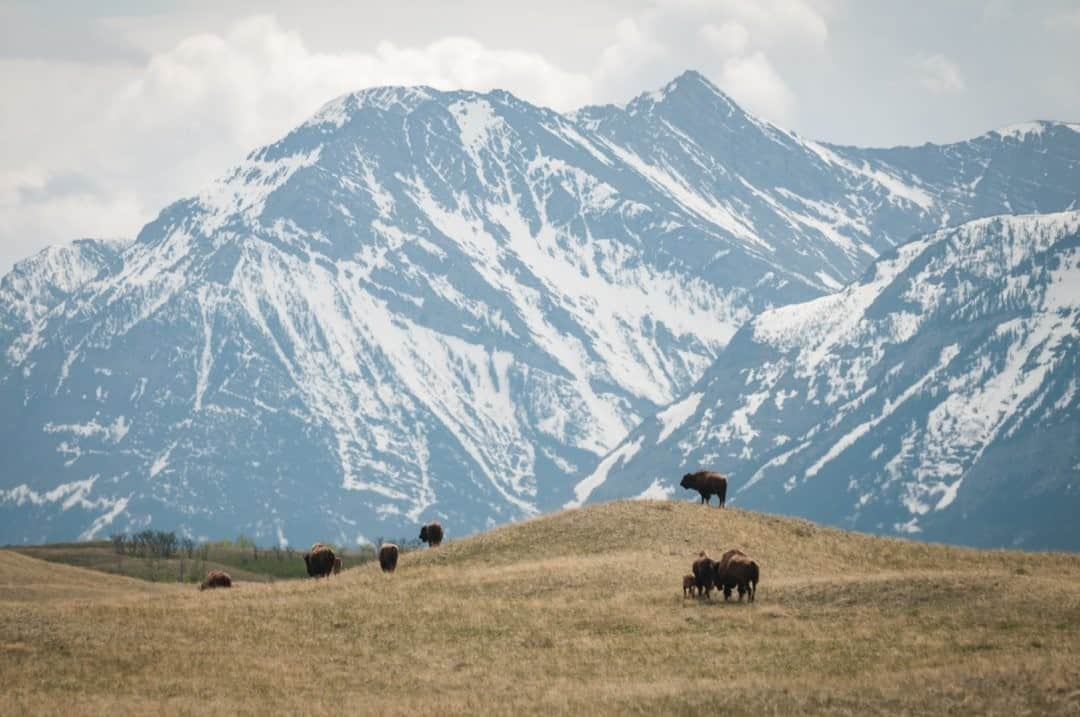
[{"x": 572, "y": 613}]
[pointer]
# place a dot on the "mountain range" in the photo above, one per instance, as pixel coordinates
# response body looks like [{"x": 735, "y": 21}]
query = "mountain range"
[
  {"x": 422, "y": 304},
  {"x": 935, "y": 398}
]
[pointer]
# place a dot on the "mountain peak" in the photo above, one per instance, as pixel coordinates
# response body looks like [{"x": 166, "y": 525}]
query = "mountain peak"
[
  {"x": 689, "y": 89},
  {"x": 691, "y": 79},
  {"x": 385, "y": 97},
  {"x": 1020, "y": 131}
]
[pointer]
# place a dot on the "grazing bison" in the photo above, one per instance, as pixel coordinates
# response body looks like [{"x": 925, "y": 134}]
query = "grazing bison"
[
  {"x": 722, "y": 581},
  {"x": 216, "y": 579},
  {"x": 704, "y": 569},
  {"x": 431, "y": 534},
  {"x": 388, "y": 555},
  {"x": 689, "y": 585},
  {"x": 739, "y": 572},
  {"x": 337, "y": 564},
  {"x": 708, "y": 484},
  {"x": 319, "y": 560}
]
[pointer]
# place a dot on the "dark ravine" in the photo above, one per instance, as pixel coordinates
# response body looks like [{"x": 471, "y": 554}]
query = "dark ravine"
[{"x": 442, "y": 305}]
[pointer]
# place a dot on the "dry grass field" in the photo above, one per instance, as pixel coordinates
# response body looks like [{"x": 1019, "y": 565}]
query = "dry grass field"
[{"x": 578, "y": 612}]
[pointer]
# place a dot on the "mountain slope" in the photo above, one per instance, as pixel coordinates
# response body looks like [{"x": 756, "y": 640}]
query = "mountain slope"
[
  {"x": 937, "y": 397},
  {"x": 429, "y": 304},
  {"x": 34, "y": 286}
]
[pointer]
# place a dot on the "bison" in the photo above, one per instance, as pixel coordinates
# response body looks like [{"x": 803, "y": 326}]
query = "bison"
[
  {"x": 708, "y": 484},
  {"x": 319, "y": 560},
  {"x": 216, "y": 579},
  {"x": 721, "y": 581},
  {"x": 337, "y": 564},
  {"x": 689, "y": 585},
  {"x": 388, "y": 555},
  {"x": 431, "y": 534},
  {"x": 704, "y": 569},
  {"x": 739, "y": 572}
]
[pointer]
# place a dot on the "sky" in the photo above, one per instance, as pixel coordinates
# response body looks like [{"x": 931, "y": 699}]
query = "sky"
[{"x": 111, "y": 110}]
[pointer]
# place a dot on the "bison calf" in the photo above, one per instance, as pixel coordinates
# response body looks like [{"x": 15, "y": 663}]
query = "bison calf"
[
  {"x": 689, "y": 586},
  {"x": 432, "y": 534},
  {"x": 388, "y": 555},
  {"x": 708, "y": 484},
  {"x": 216, "y": 579},
  {"x": 337, "y": 565}
]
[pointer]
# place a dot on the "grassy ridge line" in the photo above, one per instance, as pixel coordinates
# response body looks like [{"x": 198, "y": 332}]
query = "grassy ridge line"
[{"x": 577, "y": 612}]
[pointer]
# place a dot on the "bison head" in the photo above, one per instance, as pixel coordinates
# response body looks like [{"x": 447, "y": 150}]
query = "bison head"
[
  {"x": 685, "y": 482},
  {"x": 423, "y": 533}
]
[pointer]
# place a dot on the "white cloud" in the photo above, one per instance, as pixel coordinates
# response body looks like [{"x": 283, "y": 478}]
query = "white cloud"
[
  {"x": 727, "y": 40},
  {"x": 730, "y": 38},
  {"x": 753, "y": 82},
  {"x": 939, "y": 74}
]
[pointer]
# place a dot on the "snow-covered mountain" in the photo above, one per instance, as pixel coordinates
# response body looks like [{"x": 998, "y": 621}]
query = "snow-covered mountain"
[
  {"x": 34, "y": 286},
  {"x": 937, "y": 397},
  {"x": 425, "y": 304}
]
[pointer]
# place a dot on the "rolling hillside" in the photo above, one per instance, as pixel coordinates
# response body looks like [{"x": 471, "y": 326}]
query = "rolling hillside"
[{"x": 578, "y": 611}]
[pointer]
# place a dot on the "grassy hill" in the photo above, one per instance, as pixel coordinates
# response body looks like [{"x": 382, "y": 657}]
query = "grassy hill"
[{"x": 581, "y": 611}]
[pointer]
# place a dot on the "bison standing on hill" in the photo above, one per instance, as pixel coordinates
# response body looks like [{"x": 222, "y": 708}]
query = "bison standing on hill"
[
  {"x": 722, "y": 580},
  {"x": 319, "y": 560},
  {"x": 216, "y": 579},
  {"x": 708, "y": 484},
  {"x": 738, "y": 572},
  {"x": 704, "y": 569},
  {"x": 431, "y": 534},
  {"x": 388, "y": 555}
]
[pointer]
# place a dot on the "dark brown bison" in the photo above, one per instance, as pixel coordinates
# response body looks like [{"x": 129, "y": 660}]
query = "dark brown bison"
[
  {"x": 739, "y": 572},
  {"x": 721, "y": 581},
  {"x": 689, "y": 585},
  {"x": 431, "y": 534},
  {"x": 708, "y": 484},
  {"x": 319, "y": 560},
  {"x": 337, "y": 564},
  {"x": 216, "y": 579},
  {"x": 704, "y": 569},
  {"x": 388, "y": 555}
]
